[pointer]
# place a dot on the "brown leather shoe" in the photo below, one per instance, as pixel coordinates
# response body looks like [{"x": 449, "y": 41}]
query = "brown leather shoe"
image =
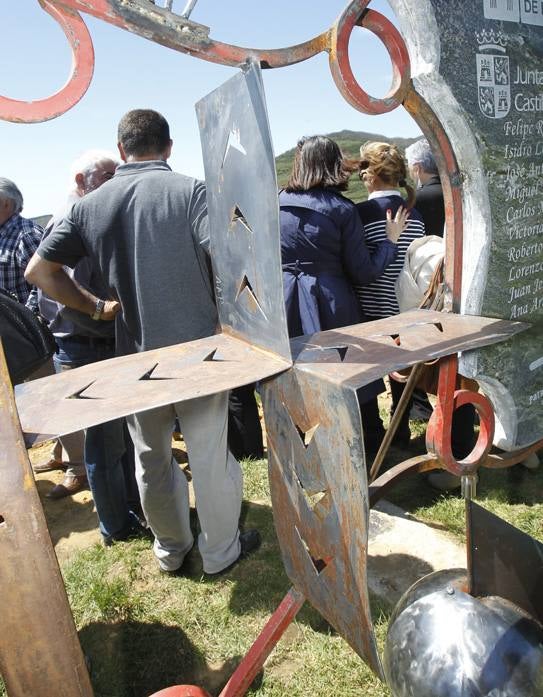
[
  {"x": 49, "y": 466},
  {"x": 71, "y": 484}
]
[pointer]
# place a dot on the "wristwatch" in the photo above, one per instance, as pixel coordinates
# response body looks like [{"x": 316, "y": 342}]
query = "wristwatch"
[{"x": 97, "y": 314}]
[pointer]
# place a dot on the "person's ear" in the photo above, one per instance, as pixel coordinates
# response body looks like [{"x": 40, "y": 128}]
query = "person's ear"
[
  {"x": 80, "y": 183},
  {"x": 168, "y": 151},
  {"x": 121, "y": 152}
]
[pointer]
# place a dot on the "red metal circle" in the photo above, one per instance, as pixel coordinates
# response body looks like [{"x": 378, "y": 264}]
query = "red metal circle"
[
  {"x": 77, "y": 84},
  {"x": 356, "y": 14},
  {"x": 486, "y": 426},
  {"x": 438, "y": 432},
  {"x": 181, "y": 691}
]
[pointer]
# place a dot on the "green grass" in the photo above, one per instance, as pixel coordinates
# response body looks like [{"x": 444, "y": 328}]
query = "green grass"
[{"x": 143, "y": 631}]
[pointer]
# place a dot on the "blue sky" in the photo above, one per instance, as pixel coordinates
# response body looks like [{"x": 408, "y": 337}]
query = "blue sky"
[{"x": 133, "y": 72}]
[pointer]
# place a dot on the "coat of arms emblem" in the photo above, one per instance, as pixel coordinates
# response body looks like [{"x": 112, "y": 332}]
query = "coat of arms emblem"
[{"x": 493, "y": 75}]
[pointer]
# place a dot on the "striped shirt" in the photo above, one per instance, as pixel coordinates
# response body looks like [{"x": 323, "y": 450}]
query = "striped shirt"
[
  {"x": 378, "y": 299},
  {"x": 19, "y": 239}
]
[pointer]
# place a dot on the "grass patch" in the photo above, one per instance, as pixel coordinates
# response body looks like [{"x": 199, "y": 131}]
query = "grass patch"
[{"x": 143, "y": 631}]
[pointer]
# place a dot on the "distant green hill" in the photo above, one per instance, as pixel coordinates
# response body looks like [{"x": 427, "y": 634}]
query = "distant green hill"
[{"x": 349, "y": 142}]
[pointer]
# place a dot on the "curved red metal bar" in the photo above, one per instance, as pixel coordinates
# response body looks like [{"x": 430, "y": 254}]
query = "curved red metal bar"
[
  {"x": 80, "y": 78},
  {"x": 168, "y": 29},
  {"x": 357, "y": 15},
  {"x": 439, "y": 431}
]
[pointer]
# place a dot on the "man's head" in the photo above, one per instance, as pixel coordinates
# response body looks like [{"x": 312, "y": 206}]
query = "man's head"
[
  {"x": 91, "y": 170},
  {"x": 421, "y": 162},
  {"x": 11, "y": 199},
  {"x": 144, "y": 134}
]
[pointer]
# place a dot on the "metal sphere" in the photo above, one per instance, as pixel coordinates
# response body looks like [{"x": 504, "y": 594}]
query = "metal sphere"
[{"x": 442, "y": 642}]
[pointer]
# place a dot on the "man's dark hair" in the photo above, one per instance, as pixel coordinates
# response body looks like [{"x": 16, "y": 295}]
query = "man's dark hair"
[{"x": 143, "y": 132}]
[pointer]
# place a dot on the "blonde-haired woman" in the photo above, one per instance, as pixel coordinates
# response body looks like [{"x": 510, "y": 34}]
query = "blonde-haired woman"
[{"x": 383, "y": 172}]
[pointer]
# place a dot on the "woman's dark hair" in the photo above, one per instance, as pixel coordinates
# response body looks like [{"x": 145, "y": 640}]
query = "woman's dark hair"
[
  {"x": 143, "y": 132},
  {"x": 319, "y": 163}
]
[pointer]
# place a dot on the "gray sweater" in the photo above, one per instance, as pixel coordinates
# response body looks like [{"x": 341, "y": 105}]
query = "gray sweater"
[{"x": 146, "y": 231}]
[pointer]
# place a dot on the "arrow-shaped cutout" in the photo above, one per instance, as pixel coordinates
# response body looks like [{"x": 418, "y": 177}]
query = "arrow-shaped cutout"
[
  {"x": 79, "y": 394},
  {"x": 236, "y": 217},
  {"x": 246, "y": 288},
  {"x": 319, "y": 564}
]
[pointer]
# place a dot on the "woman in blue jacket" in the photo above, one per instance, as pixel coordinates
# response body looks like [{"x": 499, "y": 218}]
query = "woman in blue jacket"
[
  {"x": 322, "y": 245},
  {"x": 322, "y": 241}
]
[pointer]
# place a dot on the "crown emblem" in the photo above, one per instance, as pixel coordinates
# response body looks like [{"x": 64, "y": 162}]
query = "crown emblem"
[{"x": 491, "y": 39}]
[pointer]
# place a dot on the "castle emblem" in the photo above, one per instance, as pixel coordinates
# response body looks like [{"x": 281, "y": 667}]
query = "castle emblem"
[{"x": 493, "y": 75}]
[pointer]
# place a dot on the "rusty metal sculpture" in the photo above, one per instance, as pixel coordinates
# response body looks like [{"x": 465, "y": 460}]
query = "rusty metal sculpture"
[{"x": 317, "y": 468}]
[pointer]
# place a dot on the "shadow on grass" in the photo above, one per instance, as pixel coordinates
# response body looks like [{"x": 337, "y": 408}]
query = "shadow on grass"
[{"x": 137, "y": 659}]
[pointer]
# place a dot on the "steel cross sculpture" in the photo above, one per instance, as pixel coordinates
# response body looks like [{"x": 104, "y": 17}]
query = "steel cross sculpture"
[{"x": 318, "y": 480}]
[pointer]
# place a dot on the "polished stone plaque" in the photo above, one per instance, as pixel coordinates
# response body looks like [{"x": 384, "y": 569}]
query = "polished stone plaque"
[{"x": 479, "y": 65}]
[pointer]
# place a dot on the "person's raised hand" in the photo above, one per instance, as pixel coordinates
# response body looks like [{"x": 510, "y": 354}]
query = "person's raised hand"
[{"x": 397, "y": 226}]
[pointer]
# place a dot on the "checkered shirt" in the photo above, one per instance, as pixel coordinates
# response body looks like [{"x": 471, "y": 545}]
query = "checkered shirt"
[{"x": 19, "y": 239}]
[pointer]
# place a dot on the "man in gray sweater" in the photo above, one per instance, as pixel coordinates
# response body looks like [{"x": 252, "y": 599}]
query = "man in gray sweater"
[{"x": 146, "y": 231}]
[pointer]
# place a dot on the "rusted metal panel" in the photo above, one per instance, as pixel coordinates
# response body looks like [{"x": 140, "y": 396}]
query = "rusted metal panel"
[
  {"x": 40, "y": 651},
  {"x": 504, "y": 561},
  {"x": 93, "y": 394},
  {"x": 359, "y": 354},
  {"x": 320, "y": 499},
  {"x": 244, "y": 211}
]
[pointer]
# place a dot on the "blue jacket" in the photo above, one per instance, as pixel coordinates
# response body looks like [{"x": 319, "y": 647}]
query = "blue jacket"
[{"x": 324, "y": 253}]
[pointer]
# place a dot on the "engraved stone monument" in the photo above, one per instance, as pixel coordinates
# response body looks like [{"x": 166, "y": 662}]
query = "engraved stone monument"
[{"x": 479, "y": 66}]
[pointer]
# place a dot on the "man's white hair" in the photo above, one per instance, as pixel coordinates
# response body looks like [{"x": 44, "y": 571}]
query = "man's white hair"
[
  {"x": 87, "y": 162},
  {"x": 10, "y": 191},
  {"x": 421, "y": 153}
]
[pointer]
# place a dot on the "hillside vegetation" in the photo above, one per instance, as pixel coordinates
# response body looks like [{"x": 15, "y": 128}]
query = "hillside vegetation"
[{"x": 349, "y": 142}]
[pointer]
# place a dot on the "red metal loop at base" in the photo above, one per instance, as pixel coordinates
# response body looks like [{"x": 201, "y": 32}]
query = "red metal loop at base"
[
  {"x": 439, "y": 431},
  {"x": 357, "y": 15},
  {"x": 78, "y": 82},
  {"x": 182, "y": 691}
]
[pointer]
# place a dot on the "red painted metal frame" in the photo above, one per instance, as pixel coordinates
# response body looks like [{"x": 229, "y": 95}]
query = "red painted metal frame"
[
  {"x": 255, "y": 658},
  {"x": 439, "y": 431},
  {"x": 275, "y": 627},
  {"x": 340, "y": 65},
  {"x": 168, "y": 29},
  {"x": 81, "y": 74}
]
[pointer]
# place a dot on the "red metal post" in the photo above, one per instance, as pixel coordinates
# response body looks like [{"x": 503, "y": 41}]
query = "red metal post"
[{"x": 255, "y": 658}]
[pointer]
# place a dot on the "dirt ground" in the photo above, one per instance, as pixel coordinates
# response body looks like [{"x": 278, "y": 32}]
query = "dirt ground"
[{"x": 72, "y": 521}]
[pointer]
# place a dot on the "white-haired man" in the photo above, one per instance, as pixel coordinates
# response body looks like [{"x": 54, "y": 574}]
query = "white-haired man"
[
  {"x": 19, "y": 239},
  {"x": 76, "y": 344},
  {"x": 429, "y": 195},
  {"x": 82, "y": 340}
]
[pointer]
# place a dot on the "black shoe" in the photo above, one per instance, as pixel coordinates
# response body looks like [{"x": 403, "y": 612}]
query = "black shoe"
[
  {"x": 134, "y": 530},
  {"x": 249, "y": 541}
]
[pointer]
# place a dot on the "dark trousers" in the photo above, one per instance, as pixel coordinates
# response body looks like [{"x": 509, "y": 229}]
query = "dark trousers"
[{"x": 244, "y": 429}]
